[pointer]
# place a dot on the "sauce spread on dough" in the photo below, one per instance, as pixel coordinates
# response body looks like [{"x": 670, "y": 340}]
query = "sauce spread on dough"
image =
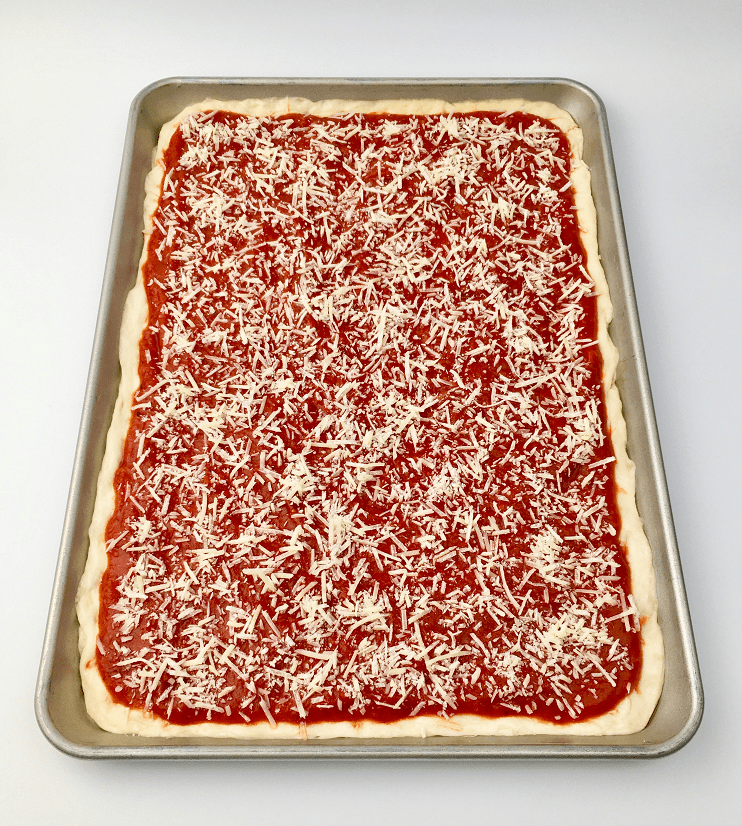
[{"x": 367, "y": 474}]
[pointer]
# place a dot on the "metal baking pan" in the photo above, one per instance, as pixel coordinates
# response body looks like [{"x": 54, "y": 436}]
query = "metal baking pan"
[{"x": 60, "y": 709}]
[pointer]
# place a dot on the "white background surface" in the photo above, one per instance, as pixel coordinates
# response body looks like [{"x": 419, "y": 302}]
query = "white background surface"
[{"x": 669, "y": 74}]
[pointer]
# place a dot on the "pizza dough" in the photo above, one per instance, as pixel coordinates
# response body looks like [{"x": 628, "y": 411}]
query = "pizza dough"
[{"x": 629, "y": 715}]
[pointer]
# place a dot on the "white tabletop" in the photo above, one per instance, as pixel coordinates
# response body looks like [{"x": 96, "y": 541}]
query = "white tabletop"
[{"x": 669, "y": 74}]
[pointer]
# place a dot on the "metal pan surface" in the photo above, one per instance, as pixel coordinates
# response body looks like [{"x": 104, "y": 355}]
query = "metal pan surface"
[{"x": 59, "y": 705}]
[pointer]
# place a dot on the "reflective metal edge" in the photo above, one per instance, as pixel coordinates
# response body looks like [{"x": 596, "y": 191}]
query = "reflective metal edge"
[{"x": 59, "y": 703}]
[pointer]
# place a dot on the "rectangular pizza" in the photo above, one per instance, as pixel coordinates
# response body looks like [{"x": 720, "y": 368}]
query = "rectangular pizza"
[{"x": 367, "y": 471}]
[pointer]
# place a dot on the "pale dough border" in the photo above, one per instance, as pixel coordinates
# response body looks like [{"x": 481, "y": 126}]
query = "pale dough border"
[{"x": 631, "y": 715}]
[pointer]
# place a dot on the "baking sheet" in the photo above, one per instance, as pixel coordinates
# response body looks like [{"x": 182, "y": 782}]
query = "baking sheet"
[{"x": 59, "y": 703}]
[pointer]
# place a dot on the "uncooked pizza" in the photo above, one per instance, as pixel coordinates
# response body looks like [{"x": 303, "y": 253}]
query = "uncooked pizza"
[{"x": 367, "y": 472}]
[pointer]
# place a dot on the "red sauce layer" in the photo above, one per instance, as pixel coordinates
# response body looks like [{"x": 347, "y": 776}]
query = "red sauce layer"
[{"x": 367, "y": 473}]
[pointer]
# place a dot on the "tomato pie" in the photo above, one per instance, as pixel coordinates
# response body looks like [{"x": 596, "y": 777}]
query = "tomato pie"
[{"x": 367, "y": 471}]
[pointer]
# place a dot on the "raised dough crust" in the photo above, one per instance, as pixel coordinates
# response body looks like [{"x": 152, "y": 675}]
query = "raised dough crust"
[{"x": 631, "y": 715}]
